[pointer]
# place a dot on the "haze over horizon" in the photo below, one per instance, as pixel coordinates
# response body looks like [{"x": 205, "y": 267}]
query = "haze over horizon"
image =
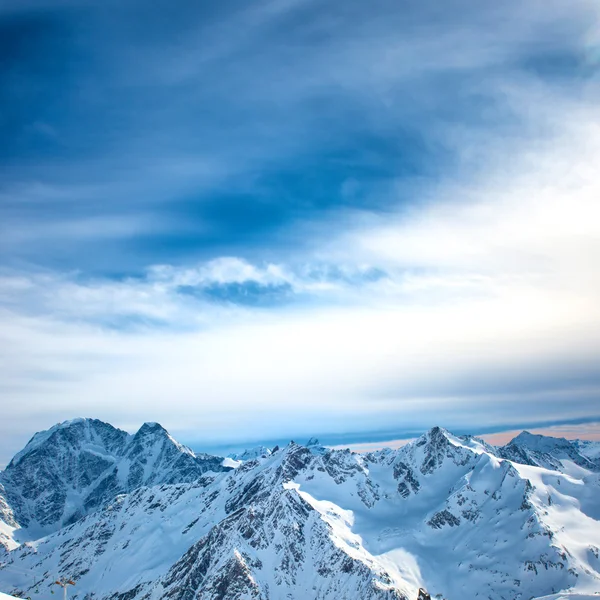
[{"x": 270, "y": 220}]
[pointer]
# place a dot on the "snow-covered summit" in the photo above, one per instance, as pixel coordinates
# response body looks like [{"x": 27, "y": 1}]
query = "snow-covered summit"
[
  {"x": 540, "y": 443},
  {"x": 445, "y": 513},
  {"x": 75, "y": 466},
  {"x": 73, "y": 432},
  {"x": 549, "y": 452}
]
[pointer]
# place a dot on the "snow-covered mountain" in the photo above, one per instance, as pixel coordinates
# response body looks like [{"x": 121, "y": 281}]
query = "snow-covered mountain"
[
  {"x": 445, "y": 513},
  {"x": 251, "y": 453},
  {"x": 553, "y": 453},
  {"x": 589, "y": 449},
  {"x": 74, "y": 467}
]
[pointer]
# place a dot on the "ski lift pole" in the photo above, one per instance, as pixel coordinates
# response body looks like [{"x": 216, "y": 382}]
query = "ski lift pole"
[{"x": 64, "y": 582}]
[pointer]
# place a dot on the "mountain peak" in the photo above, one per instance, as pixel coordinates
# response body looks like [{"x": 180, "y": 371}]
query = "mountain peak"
[
  {"x": 435, "y": 435},
  {"x": 75, "y": 466},
  {"x": 151, "y": 428},
  {"x": 78, "y": 423},
  {"x": 437, "y": 431},
  {"x": 433, "y": 448},
  {"x": 74, "y": 431},
  {"x": 524, "y": 437},
  {"x": 285, "y": 526},
  {"x": 538, "y": 442},
  {"x": 549, "y": 452}
]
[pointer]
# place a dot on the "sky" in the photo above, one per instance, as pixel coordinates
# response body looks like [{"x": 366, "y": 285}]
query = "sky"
[{"x": 274, "y": 219}]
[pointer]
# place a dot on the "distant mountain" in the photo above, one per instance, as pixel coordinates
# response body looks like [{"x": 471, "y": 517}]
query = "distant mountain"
[
  {"x": 73, "y": 468},
  {"x": 251, "y": 453},
  {"x": 444, "y": 513},
  {"x": 552, "y": 453}
]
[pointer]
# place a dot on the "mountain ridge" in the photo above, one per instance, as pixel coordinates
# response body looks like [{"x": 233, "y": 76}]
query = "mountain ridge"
[
  {"x": 72, "y": 468},
  {"x": 446, "y": 513}
]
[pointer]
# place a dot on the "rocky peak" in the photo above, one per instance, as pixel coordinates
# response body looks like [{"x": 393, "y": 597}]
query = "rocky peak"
[
  {"x": 72, "y": 435},
  {"x": 300, "y": 525},
  {"x": 151, "y": 429},
  {"x": 149, "y": 435},
  {"x": 436, "y": 436},
  {"x": 430, "y": 451},
  {"x": 74, "y": 467}
]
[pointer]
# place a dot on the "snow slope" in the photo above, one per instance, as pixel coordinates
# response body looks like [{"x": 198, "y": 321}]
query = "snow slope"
[
  {"x": 446, "y": 513},
  {"x": 573, "y": 457}
]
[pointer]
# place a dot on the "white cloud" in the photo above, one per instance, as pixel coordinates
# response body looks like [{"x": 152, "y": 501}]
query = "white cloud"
[
  {"x": 487, "y": 307},
  {"x": 223, "y": 270},
  {"x": 491, "y": 302}
]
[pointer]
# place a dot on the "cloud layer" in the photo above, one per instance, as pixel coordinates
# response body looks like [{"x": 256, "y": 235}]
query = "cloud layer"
[{"x": 287, "y": 219}]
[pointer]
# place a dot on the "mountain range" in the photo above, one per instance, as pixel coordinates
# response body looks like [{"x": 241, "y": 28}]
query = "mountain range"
[{"x": 142, "y": 517}]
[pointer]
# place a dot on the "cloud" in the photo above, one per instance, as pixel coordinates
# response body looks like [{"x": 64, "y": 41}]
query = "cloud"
[
  {"x": 334, "y": 221},
  {"x": 478, "y": 304},
  {"x": 232, "y": 125}
]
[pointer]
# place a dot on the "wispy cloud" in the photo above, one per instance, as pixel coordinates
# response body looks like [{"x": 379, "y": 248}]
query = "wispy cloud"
[
  {"x": 250, "y": 119},
  {"x": 296, "y": 213},
  {"x": 478, "y": 303}
]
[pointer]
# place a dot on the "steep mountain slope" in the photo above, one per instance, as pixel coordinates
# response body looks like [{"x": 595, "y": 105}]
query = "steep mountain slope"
[
  {"x": 590, "y": 449},
  {"x": 76, "y": 466},
  {"x": 443, "y": 513},
  {"x": 8, "y": 524},
  {"x": 237, "y": 535}
]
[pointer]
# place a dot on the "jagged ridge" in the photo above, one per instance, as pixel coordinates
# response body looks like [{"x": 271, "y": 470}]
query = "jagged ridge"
[
  {"x": 74, "y": 467},
  {"x": 445, "y": 513}
]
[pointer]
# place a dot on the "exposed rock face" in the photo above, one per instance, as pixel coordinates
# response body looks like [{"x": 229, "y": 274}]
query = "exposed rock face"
[
  {"x": 271, "y": 547},
  {"x": 444, "y": 517},
  {"x": 73, "y": 468},
  {"x": 407, "y": 480},
  {"x": 6, "y": 512},
  {"x": 439, "y": 516}
]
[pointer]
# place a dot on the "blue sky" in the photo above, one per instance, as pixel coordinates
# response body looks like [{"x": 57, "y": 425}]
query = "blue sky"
[{"x": 259, "y": 220}]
